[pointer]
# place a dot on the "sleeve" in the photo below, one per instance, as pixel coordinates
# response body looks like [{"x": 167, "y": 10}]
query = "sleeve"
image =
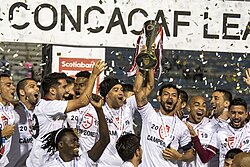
[
  {"x": 146, "y": 111},
  {"x": 131, "y": 101},
  {"x": 55, "y": 107},
  {"x": 204, "y": 154}
]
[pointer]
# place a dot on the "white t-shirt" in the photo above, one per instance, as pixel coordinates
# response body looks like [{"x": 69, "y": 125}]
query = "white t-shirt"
[
  {"x": 88, "y": 127},
  {"x": 228, "y": 137},
  {"x": 119, "y": 122},
  {"x": 127, "y": 164},
  {"x": 205, "y": 131},
  {"x": 47, "y": 117},
  {"x": 82, "y": 161},
  {"x": 7, "y": 117},
  {"x": 158, "y": 131}
]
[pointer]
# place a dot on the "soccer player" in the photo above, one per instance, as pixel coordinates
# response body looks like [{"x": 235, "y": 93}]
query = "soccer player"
[
  {"x": 49, "y": 113},
  {"x": 162, "y": 133},
  {"x": 241, "y": 160},
  {"x": 235, "y": 135},
  {"x": 66, "y": 142},
  {"x": 28, "y": 93},
  {"x": 129, "y": 149},
  {"x": 181, "y": 104},
  {"x": 220, "y": 102},
  {"x": 119, "y": 116},
  {"x": 7, "y": 116},
  {"x": 230, "y": 156},
  {"x": 197, "y": 119}
]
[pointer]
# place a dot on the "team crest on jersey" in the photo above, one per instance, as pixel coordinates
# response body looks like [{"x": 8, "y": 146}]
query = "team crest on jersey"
[
  {"x": 4, "y": 120},
  {"x": 87, "y": 121},
  {"x": 230, "y": 141},
  {"x": 163, "y": 132}
]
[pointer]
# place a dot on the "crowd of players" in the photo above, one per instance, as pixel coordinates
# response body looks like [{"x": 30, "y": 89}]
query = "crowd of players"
[{"x": 70, "y": 126}]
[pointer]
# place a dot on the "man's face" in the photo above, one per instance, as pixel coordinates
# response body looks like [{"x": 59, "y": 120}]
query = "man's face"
[
  {"x": 80, "y": 85},
  {"x": 237, "y": 115},
  {"x": 7, "y": 89},
  {"x": 61, "y": 89},
  {"x": 70, "y": 93},
  {"x": 228, "y": 162},
  {"x": 70, "y": 145},
  {"x": 197, "y": 109},
  {"x": 218, "y": 103},
  {"x": 168, "y": 99},
  {"x": 31, "y": 92},
  {"x": 115, "y": 97}
]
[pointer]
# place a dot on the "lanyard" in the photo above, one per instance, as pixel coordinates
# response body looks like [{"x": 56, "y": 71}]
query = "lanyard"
[
  {"x": 72, "y": 163},
  {"x": 170, "y": 136},
  {"x": 118, "y": 123}
]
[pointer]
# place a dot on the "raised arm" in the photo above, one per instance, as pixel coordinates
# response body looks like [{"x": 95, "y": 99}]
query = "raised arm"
[
  {"x": 141, "y": 92},
  {"x": 83, "y": 99},
  {"x": 204, "y": 154},
  {"x": 97, "y": 150}
]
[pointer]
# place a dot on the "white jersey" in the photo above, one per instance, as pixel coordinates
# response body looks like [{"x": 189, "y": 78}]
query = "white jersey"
[
  {"x": 204, "y": 130},
  {"x": 127, "y": 164},
  {"x": 82, "y": 161},
  {"x": 7, "y": 115},
  {"x": 88, "y": 127},
  {"x": 228, "y": 137},
  {"x": 119, "y": 122},
  {"x": 48, "y": 116},
  {"x": 158, "y": 132},
  {"x": 72, "y": 119}
]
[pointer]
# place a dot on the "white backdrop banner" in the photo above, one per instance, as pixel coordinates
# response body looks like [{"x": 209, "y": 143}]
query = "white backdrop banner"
[{"x": 209, "y": 25}]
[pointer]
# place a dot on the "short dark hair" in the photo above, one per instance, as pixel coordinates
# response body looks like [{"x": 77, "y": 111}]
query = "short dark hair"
[
  {"x": 231, "y": 153},
  {"x": 52, "y": 80},
  {"x": 21, "y": 84},
  {"x": 227, "y": 95},
  {"x": 127, "y": 145},
  {"x": 84, "y": 74},
  {"x": 238, "y": 101},
  {"x": 128, "y": 87},
  {"x": 169, "y": 86},
  {"x": 70, "y": 80},
  {"x": 183, "y": 96}
]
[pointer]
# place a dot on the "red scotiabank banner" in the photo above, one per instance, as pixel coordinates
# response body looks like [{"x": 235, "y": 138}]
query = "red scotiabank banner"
[
  {"x": 78, "y": 64},
  {"x": 72, "y": 60}
]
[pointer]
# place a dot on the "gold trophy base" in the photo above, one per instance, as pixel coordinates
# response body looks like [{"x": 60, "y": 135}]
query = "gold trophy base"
[{"x": 146, "y": 61}]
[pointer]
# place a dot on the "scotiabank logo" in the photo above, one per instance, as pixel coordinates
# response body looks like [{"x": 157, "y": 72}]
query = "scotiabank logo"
[{"x": 76, "y": 64}]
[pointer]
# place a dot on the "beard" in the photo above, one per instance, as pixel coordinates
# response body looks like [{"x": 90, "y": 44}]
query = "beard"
[{"x": 168, "y": 110}]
